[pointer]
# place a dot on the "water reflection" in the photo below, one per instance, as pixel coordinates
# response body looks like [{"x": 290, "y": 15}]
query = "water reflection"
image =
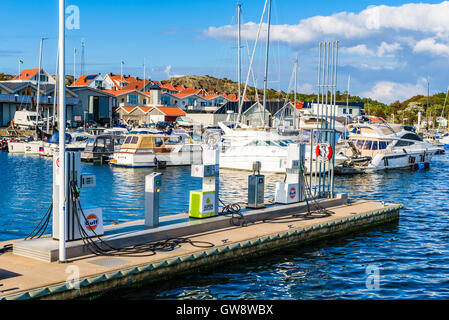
[{"x": 412, "y": 255}]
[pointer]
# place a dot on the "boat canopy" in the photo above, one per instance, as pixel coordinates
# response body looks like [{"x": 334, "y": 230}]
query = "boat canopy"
[
  {"x": 144, "y": 141},
  {"x": 55, "y": 138}
]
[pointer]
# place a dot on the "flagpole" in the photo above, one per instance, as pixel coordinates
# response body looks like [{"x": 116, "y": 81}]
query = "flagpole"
[
  {"x": 121, "y": 74},
  {"x": 74, "y": 65}
]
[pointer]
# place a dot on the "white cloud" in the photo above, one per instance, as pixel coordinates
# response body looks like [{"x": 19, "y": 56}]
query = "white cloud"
[
  {"x": 167, "y": 71},
  {"x": 373, "y": 21},
  {"x": 380, "y": 42},
  {"x": 431, "y": 46},
  {"x": 360, "y": 49},
  {"x": 387, "y": 48},
  {"x": 388, "y": 91}
]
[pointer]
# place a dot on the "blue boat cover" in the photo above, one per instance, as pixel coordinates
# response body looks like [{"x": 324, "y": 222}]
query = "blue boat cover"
[{"x": 55, "y": 138}]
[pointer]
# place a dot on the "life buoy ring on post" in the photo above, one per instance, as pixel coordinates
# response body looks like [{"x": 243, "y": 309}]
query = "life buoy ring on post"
[
  {"x": 330, "y": 152},
  {"x": 323, "y": 150}
]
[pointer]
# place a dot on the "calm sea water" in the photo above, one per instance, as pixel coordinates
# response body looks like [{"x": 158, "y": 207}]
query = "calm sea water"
[{"x": 411, "y": 257}]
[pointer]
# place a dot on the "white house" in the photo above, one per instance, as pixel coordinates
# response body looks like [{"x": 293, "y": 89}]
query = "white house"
[
  {"x": 343, "y": 110},
  {"x": 94, "y": 81},
  {"x": 31, "y": 75}
]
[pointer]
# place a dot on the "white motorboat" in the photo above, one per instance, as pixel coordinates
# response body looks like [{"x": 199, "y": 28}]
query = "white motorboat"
[
  {"x": 241, "y": 147},
  {"x": 382, "y": 146},
  {"x": 33, "y": 147},
  {"x": 48, "y": 148},
  {"x": 16, "y": 146},
  {"x": 25, "y": 147},
  {"x": 151, "y": 150}
]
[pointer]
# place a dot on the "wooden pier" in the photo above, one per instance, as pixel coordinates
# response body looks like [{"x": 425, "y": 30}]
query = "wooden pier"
[{"x": 24, "y": 277}]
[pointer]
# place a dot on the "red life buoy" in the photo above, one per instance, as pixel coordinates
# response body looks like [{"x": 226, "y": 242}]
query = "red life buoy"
[
  {"x": 329, "y": 152},
  {"x": 324, "y": 151}
]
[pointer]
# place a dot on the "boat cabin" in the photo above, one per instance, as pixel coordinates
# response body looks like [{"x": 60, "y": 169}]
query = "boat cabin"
[
  {"x": 370, "y": 146},
  {"x": 99, "y": 148},
  {"x": 149, "y": 141}
]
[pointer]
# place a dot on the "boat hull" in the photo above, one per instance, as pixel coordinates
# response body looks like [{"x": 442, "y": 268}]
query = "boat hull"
[
  {"x": 142, "y": 160},
  {"x": 390, "y": 161}
]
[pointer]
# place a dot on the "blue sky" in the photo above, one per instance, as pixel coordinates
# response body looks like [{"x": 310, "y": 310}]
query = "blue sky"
[{"x": 388, "y": 58}]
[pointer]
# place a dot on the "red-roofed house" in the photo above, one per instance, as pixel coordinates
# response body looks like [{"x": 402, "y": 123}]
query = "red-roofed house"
[
  {"x": 89, "y": 80},
  {"x": 32, "y": 75},
  {"x": 146, "y": 114},
  {"x": 169, "y": 88},
  {"x": 117, "y": 82},
  {"x": 161, "y": 113},
  {"x": 130, "y": 97}
]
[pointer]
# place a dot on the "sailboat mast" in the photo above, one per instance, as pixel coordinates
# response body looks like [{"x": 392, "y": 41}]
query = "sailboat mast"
[
  {"x": 56, "y": 88},
  {"x": 427, "y": 107},
  {"x": 38, "y": 84},
  {"x": 444, "y": 106},
  {"x": 239, "y": 66},
  {"x": 266, "y": 63},
  {"x": 296, "y": 86}
]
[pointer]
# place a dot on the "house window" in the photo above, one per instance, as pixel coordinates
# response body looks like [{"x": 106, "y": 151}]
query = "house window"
[
  {"x": 144, "y": 101},
  {"x": 350, "y": 111},
  {"x": 133, "y": 99},
  {"x": 344, "y": 111}
]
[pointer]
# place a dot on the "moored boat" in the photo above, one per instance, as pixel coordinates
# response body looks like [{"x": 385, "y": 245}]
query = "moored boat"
[
  {"x": 147, "y": 150},
  {"x": 384, "y": 146}
]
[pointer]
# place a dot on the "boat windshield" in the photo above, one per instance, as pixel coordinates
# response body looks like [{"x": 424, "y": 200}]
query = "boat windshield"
[
  {"x": 370, "y": 144},
  {"x": 80, "y": 138},
  {"x": 33, "y": 118},
  {"x": 158, "y": 142},
  {"x": 90, "y": 142}
]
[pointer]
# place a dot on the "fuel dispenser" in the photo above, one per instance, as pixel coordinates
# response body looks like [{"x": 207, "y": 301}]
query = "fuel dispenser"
[
  {"x": 256, "y": 185},
  {"x": 91, "y": 219},
  {"x": 292, "y": 189},
  {"x": 204, "y": 202},
  {"x": 153, "y": 183}
]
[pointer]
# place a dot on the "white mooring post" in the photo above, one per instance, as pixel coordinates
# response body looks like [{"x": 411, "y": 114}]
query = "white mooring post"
[{"x": 61, "y": 111}]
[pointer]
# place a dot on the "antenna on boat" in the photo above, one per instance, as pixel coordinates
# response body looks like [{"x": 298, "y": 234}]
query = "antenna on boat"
[{"x": 61, "y": 103}]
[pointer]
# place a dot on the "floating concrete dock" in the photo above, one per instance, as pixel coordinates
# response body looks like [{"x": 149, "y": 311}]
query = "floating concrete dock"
[{"x": 28, "y": 273}]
